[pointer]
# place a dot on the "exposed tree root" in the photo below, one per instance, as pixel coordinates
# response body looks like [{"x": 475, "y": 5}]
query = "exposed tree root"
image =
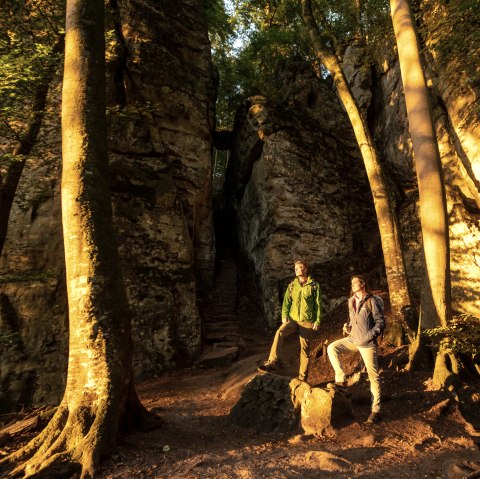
[
  {"x": 451, "y": 369},
  {"x": 419, "y": 355},
  {"x": 73, "y": 442}
]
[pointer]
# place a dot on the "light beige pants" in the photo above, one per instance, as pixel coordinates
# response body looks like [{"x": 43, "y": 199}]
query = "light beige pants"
[
  {"x": 370, "y": 358},
  {"x": 304, "y": 330}
]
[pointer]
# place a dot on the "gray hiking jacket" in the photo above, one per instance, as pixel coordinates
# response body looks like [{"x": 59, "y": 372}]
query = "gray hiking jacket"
[{"x": 366, "y": 322}]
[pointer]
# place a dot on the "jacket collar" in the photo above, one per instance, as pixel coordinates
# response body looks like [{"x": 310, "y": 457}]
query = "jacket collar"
[
  {"x": 367, "y": 295},
  {"x": 309, "y": 280}
]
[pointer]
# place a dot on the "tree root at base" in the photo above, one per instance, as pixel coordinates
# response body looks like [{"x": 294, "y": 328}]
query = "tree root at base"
[{"x": 74, "y": 442}]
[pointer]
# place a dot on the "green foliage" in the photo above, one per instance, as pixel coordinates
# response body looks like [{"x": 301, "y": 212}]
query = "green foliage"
[
  {"x": 220, "y": 162},
  {"x": 262, "y": 37},
  {"x": 220, "y": 24},
  {"x": 10, "y": 339},
  {"x": 462, "y": 335},
  {"x": 28, "y": 32},
  {"x": 253, "y": 40},
  {"x": 452, "y": 34}
]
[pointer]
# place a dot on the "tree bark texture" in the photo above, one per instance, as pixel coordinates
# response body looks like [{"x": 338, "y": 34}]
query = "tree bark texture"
[
  {"x": 386, "y": 216},
  {"x": 99, "y": 394},
  {"x": 433, "y": 208}
]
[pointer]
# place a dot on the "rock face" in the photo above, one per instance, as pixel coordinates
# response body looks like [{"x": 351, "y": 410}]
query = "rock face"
[
  {"x": 33, "y": 303},
  {"x": 161, "y": 177},
  {"x": 161, "y": 94},
  {"x": 300, "y": 189}
]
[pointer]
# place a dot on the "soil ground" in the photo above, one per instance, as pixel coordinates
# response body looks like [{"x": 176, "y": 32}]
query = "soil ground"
[{"x": 423, "y": 431}]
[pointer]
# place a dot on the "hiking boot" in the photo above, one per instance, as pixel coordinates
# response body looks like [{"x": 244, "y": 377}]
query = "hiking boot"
[
  {"x": 374, "y": 418},
  {"x": 268, "y": 366}
]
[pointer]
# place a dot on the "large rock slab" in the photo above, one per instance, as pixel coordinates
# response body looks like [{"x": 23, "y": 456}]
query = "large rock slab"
[{"x": 266, "y": 405}]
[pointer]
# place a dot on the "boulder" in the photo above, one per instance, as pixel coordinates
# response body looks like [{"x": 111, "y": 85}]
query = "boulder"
[
  {"x": 266, "y": 405},
  {"x": 323, "y": 410},
  {"x": 270, "y": 402}
]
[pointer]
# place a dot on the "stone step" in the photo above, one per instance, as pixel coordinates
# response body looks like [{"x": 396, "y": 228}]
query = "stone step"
[
  {"x": 219, "y": 357},
  {"x": 215, "y": 313},
  {"x": 221, "y": 336},
  {"x": 228, "y": 344},
  {"x": 221, "y": 318},
  {"x": 221, "y": 326}
]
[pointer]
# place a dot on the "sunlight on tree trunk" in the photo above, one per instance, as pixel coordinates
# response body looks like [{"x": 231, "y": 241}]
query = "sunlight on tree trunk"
[
  {"x": 433, "y": 209},
  {"x": 359, "y": 13},
  {"x": 436, "y": 306},
  {"x": 387, "y": 222},
  {"x": 99, "y": 397}
]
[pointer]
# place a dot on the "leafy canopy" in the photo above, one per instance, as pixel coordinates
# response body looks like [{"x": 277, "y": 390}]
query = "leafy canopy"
[
  {"x": 253, "y": 40},
  {"x": 28, "y": 31}
]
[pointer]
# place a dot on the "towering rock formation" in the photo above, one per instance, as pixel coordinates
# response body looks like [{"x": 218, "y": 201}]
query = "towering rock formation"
[
  {"x": 161, "y": 114},
  {"x": 300, "y": 190}
]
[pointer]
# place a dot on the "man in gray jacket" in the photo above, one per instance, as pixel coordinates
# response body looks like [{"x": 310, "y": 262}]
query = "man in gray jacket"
[{"x": 366, "y": 322}]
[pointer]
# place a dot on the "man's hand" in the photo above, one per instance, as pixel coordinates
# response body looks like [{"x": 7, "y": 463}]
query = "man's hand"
[
  {"x": 345, "y": 329},
  {"x": 316, "y": 327},
  {"x": 285, "y": 320}
]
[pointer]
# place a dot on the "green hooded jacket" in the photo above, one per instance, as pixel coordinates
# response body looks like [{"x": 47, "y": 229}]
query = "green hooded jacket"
[{"x": 302, "y": 303}]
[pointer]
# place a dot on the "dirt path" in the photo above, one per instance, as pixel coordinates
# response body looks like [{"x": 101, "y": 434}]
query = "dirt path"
[{"x": 421, "y": 433}]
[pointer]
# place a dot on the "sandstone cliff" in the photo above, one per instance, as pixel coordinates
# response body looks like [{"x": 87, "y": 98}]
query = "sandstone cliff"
[
  {"x": 161, "y": 113},
  {"x": 300, "y": 191}
]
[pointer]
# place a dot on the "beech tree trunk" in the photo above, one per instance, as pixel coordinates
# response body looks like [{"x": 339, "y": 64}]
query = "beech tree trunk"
[
  {"x": 99, "y": 396},
  {"x": 387, "y": 222},
  {"x": 436, "y": 301},
  {"x": 433, "y": 208}
]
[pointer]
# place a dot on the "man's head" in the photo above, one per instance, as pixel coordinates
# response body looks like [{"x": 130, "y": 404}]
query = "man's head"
[
  {"x": 359, "y": 285},
  {"x": 301, "y": 268}
]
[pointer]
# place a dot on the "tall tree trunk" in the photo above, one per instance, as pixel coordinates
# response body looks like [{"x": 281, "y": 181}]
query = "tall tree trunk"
[
  {"x": 359, "y": 14},
  {"x": 387, "y": 221},
  {"x": 27, "y": 140},
  {"x": 433, "y": 209},
  {"x": 436, "y": 301},
  {"x": 99, "y": 395}
]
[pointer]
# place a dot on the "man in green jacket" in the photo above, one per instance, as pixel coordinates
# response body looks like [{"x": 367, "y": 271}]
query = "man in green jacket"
[{"x": 300, "y": 314}]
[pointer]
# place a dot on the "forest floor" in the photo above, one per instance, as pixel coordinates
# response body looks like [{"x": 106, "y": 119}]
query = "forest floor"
[{"x": 423, "y": 434}]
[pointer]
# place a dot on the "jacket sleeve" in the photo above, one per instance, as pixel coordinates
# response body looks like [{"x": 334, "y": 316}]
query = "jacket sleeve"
[
  {"x": 378, "y": 318},
  {"x": 318, "y": 304},
  {"x": 287, "y": 304}
]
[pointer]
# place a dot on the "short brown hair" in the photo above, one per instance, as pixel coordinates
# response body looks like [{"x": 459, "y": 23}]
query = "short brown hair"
[{"x": 300, "y": 261}]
